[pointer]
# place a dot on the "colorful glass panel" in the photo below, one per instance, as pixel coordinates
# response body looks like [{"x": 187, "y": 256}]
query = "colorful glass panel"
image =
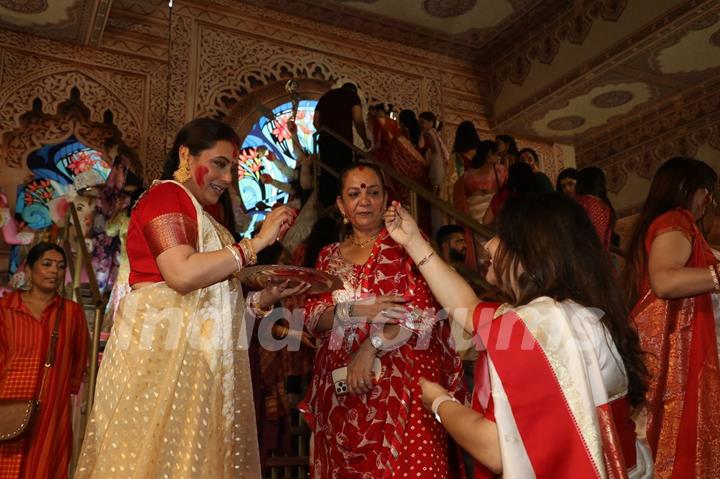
[{"x": 268, "y": 143}]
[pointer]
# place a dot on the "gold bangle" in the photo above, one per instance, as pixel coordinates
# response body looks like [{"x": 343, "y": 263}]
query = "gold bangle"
[
  {"x": 236, "y": 255},
  {"x": 250, "y": 255},
  {"x": 258, "y": 310},
  {"x": 714, "y": 274},
  {"x": 426, "y": 259}
]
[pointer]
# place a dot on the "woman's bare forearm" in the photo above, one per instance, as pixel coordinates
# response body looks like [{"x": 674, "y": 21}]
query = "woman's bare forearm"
[{"x": 449, "y": 288}]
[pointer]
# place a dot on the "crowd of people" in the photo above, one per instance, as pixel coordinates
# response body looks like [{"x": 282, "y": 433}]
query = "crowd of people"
[{"x": 560, "y": 356}]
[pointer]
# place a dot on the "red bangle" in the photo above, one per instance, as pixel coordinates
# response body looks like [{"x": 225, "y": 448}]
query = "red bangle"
[{"x": 241, "y": 251}]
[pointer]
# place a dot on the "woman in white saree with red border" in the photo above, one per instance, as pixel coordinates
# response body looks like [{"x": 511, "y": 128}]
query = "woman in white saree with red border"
[{"x": 556, "y": 378}]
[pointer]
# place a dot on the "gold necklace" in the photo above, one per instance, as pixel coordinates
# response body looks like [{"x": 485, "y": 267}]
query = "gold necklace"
[{"x": 362, "y": 244}]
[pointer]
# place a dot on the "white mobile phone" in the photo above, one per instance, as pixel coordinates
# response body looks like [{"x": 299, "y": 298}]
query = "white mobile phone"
[{"x": 339, "y": 377}]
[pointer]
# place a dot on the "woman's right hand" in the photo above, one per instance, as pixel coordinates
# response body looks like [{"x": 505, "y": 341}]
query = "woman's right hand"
[
  {"x": 388, "y": 309},
  {"x": 401, "y": 225},
  {"x": 276, "y": 224}
]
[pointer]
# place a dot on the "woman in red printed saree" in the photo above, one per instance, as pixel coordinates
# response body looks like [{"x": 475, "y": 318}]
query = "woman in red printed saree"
[
  {"x": 672, "y": 275},
  {"x": 27, "y": 320},
  {"x": 560, "y": 366},
  {"x": 379, "y": 429}
]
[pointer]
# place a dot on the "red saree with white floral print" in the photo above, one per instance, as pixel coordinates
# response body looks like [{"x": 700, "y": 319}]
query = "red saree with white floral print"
[{"x": 385, "y": 433}]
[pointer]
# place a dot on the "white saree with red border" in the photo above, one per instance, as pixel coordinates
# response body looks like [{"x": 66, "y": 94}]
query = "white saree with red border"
[{"x": 556, "y": 387}]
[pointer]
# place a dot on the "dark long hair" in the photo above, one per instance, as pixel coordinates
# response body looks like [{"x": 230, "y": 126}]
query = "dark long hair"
[
  {"x": 37, "y": 251},
  {"x": 408, "y": 120},
  {"x": 466, "y": 137},
  {"x": 566, "y": 173},
  {"x": 510, "y": 142},
  {"x": 591, "y": 181},
  {"x": 553, "y": 239},
  {"x": 521, "y": 179},
  {"x": 483, "y": 151},
  {"x": 197, "y": 135},
  {"x": 432, "y": 118},
  {"x": 673, "y": 186}
]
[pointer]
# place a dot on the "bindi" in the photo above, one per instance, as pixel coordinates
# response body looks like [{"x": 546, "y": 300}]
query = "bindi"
[
  {"x": 363, "y": 186},
  {"x": 200, "y": 174}
]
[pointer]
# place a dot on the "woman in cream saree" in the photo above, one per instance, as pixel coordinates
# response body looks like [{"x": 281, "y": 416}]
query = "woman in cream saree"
[{"x": 174, "y": 397}]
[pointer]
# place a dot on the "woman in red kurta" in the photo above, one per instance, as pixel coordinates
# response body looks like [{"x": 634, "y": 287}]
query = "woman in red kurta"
[
  {"x": 379, "y": 429},
  {"x": 27, "y": 320},
  {"x": 672, "y": 274}
]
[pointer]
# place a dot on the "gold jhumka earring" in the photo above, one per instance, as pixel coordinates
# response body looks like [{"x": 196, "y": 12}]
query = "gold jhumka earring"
[{"x": 182, "y": 174}]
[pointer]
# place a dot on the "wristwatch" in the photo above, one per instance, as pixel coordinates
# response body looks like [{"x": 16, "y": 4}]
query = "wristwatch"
[{"x": 438, "y": 401}]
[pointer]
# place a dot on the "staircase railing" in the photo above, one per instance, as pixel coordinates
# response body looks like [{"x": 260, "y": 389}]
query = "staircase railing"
[
  {"x": 73, "y": 242},
  {"x": 417, "y": 190}
]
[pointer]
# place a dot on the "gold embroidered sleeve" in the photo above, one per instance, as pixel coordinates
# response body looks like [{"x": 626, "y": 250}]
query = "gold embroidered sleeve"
[{"x": 169, "y": 230}]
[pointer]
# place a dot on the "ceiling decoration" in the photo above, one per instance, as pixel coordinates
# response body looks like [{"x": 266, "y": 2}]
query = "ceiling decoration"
[
  {"x": 25, "y": 6},
  {"x": 675, "y": 53},
  {"x": 448, "y": 8},
  {"x": 459, "y": 20},
  {"x": 592, "y": 109},
  {"x": 612, "y": 99},
  {"x": 565, "y": 123},
  {"x": 567, "y": 25},
  {"x": 38, "y": 13},
  {"x": 466, "y": 29},
  {"x": 75, "y": 21},
  {"x": 696, "y": 51}
]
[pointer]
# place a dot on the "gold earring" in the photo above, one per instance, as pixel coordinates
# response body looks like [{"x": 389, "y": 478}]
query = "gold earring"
[
  {"x": 182, "y": 174},
  {"x": 345, "y": 219}
]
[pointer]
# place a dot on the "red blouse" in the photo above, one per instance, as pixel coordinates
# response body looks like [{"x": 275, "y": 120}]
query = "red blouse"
[{"x": 164, "y": 217}]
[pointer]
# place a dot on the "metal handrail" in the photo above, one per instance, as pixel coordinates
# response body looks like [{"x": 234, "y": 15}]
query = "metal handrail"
[
  {"x": 73, "y": 240},
  {"x": 484, "y": 231}
]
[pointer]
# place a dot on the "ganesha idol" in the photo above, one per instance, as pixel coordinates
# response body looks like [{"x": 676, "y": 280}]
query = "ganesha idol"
[
  {"x": 9, "y": 225},
  {"x": 82, "y": 194}
]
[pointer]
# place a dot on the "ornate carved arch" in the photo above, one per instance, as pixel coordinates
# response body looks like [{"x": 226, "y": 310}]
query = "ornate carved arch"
[
  {"x": 244, "y": 114},
  {"x": 234, "y": 66},
  {"x": 54, "y": 87},
  {"x": 35, "y": 128}
]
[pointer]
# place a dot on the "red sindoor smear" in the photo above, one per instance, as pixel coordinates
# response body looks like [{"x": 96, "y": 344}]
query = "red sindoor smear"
[{"x": 200, "y": 174}]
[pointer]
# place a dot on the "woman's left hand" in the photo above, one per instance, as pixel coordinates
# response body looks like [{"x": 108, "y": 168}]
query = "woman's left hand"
[
  {"x": 401, "y": 225},
  {"x": 276, "y": 292},
  {"x": 430, "y": 392},
  {"x": 359, "y": 370}
]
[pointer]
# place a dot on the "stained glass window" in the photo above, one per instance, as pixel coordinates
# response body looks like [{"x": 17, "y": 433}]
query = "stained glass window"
[{"x": 268, "y": 143}]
